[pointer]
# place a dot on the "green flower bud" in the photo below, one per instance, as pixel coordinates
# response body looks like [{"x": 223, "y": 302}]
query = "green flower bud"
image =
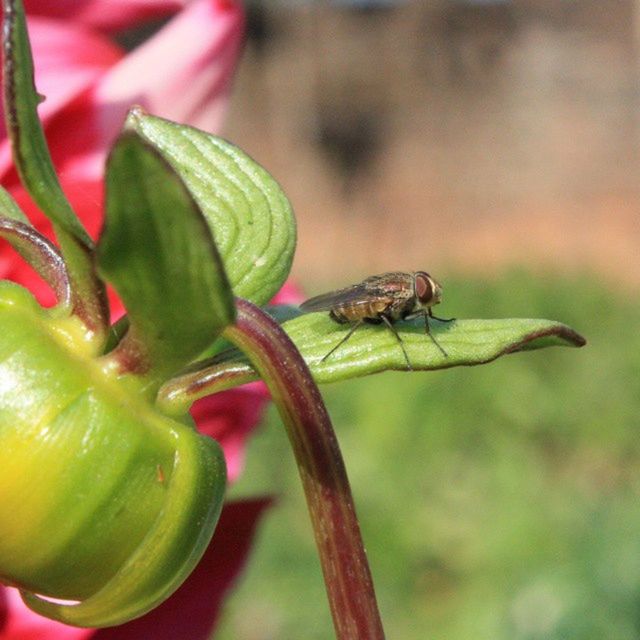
[{"x": 104, "y": 501}]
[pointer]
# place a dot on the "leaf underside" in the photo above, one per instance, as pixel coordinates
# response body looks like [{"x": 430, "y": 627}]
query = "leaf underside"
[{"x": 248, "y": 213}]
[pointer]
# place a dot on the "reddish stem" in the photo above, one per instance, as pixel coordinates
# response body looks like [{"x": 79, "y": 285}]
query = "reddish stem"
[{"x": 324, "y": 478}]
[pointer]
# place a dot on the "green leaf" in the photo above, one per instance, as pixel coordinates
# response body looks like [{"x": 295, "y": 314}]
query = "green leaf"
[
  {"x": 33, "y": 161},
  {"x": 158, "y": 253},
  {"x": 249, "y": 215},
  {"x": 373, "y": 348}
]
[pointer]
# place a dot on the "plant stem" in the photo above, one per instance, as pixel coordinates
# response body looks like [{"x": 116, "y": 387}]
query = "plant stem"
[{"x": 324, "y": 478}]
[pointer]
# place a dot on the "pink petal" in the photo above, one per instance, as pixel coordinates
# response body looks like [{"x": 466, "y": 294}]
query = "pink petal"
[
  {"x": 20, "y": 623},
  {"x": 192, "y": 611},
  {"x": 68, "y": 60},
  {"x": 182, "y": 73},
  {"x": 230, "y": 417},
  {"x": 290, "y": 293},
  {"x": 106, "y": 15}
]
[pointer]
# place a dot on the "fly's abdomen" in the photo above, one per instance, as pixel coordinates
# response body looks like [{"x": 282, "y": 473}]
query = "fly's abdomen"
[{"x": 361, "y": 310}]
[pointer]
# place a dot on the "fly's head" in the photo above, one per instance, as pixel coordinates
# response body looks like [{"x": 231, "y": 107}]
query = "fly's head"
[{"x": 428, "y": 291}]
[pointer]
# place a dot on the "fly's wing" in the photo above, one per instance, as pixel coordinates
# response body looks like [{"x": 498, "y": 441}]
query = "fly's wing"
[{"x": 326, "y": 301}]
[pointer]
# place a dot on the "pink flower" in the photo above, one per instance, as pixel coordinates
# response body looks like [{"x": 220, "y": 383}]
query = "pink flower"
[
  {"x": 182, "y": 73},
  {"x": 106, "y": 15}
]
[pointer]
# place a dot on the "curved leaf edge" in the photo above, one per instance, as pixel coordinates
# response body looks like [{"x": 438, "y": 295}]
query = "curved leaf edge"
[{"x": 260, "y": 278}]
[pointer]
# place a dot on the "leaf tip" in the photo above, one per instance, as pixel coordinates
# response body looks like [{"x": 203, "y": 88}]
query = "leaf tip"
[
  {"x": 576, "y": 339},
  {"x": 135, "y": 114},
  {"x": 555, "y": 334}
]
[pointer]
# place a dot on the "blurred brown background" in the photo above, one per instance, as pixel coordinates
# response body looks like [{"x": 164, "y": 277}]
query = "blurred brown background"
[{"x": 449, "y": 135}]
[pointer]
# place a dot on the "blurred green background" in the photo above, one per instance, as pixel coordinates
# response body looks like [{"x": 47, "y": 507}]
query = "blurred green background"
[{"x": 499, "y": 501}]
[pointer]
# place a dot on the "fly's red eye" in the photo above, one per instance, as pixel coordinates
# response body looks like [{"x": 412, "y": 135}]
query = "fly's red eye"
[{"x": 424, "y": 290}]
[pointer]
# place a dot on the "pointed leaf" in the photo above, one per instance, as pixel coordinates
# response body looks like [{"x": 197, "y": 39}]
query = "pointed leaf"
[
  {"x": 249, "y": 215},
  {"x": 33, "y": 161},
  {"x": 158, "y": 253},
  {"x": 373, "y": 348}
]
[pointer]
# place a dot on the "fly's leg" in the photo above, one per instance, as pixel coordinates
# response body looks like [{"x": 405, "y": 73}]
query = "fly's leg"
[
  {"x": 430, "y": 312},
  {"x": 426, "y": 314},
  {"x": 399, "y": 339},
  {"x": 427, "y": 329},
  {"x": 349, "y": 334}
]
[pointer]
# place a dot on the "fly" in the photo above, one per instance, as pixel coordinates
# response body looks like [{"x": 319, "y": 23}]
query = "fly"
[{"x": 385, "y": 298}]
